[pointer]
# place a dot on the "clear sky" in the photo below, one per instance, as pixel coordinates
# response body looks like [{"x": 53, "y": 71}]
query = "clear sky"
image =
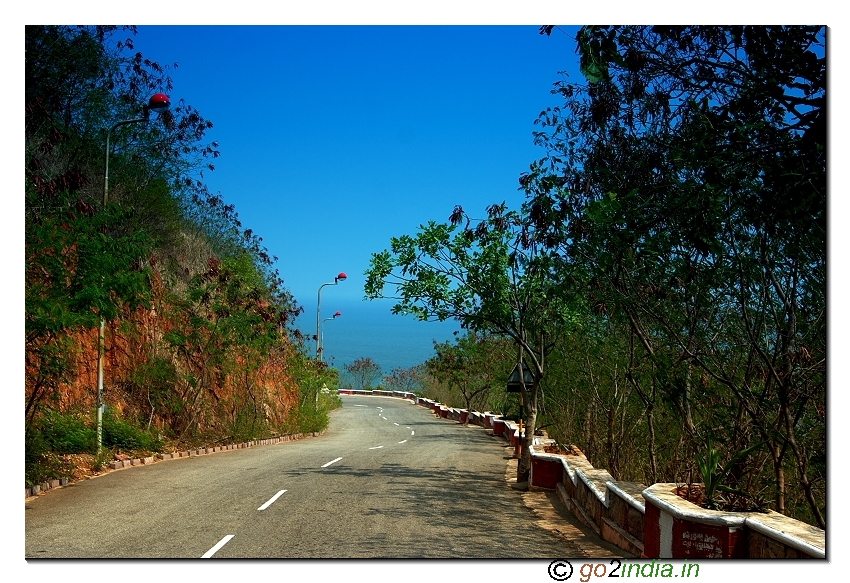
[{"x": 334, "y": 139}]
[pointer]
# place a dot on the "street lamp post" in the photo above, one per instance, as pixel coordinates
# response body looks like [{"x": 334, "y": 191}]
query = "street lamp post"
[
  {"x": 337, "y": 314},
  {"x": 337, "y": 279},
  {"x": 158, "y": 103},
  {"x": 322, "y": 336}
]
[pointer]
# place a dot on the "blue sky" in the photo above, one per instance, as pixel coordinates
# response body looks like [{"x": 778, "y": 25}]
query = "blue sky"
[{"x": 334, "y": 139}]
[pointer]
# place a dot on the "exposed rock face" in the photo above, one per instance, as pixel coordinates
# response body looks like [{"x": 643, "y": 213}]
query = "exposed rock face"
[{"x": 177, "y": 388}]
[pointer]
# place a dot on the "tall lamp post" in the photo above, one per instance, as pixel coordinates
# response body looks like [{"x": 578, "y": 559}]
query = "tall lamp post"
[
  {"x": 322, "y": 336},
  {"x": 158, "y": 103},
  {"x": 336, "y": 315},
  {"x": 337, "y": 279}
]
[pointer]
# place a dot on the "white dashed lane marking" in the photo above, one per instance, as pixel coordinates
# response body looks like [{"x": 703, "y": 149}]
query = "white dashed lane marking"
[
  {"x": 218, "y": 546},
  {"x": 331, "y": 462},
  {"x": 271, "y": 501}
]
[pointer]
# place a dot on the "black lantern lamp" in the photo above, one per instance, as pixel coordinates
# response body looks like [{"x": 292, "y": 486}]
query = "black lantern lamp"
[{"x": 514, "y": 382}]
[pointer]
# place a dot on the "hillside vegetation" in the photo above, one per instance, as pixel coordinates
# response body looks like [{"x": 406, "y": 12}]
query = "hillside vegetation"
[{"x": 198, "y": 325}]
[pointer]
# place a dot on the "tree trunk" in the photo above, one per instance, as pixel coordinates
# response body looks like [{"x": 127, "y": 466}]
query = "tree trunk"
[
  {"x": 523, "y": 469},
  {"x": 653, "y": 462},
  {"x": 802, "y": 469},
  {"x": 779, "y": 477},
  {"x": 609, "y": 446}
]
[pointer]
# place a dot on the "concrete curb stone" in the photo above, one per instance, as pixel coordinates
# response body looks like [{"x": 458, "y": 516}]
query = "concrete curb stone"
[{"x": 37, "y": 489}]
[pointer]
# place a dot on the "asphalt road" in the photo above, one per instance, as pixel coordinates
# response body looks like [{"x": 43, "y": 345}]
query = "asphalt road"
[{"x": 387, "y": 480}]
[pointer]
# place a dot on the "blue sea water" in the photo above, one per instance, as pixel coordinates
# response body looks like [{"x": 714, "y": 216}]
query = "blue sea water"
[{"x": 369, "y": 329}]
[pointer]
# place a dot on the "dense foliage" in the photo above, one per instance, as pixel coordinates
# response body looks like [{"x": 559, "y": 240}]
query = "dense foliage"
[{"x": 198, "y": 338}]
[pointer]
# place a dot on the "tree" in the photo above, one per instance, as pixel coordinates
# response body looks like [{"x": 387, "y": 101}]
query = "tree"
[
  {"x": 363, "y": 372},
  {"x": 688, "y": 177},
  {"x": 473, "y": 366},
  {"x": 491, "y": 276},
  {"x": 407, "y": 380}
]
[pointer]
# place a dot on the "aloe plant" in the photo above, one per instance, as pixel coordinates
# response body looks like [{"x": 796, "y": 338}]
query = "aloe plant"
[{"x": 713, "y": 474}]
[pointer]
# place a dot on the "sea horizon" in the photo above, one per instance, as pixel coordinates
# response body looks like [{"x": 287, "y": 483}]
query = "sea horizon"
[{"x": 368, "y": 329}]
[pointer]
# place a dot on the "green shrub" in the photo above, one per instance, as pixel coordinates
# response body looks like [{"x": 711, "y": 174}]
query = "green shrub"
[
  {"x": 35, "y": 450},
  {"x": 157, "y": 379},
  {"x": 310, "y": 420},
  {"x": 249, "y": 424},
  {"x": 64, "y": 433},
  {"x": 306, "y": 419},
  {"x": 46, "y": 466},
  {"x": 123, "y": 434},
  {"x": 40, "y": 463}
]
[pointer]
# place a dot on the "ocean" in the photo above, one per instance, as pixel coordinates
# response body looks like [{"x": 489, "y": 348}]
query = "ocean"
[{"x": 369, "y": 329}]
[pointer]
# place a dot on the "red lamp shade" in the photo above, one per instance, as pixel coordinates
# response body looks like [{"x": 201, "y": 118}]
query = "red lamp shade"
[
  {"x": 342, "y": 277},
  {"x": 337, "y": 314},
  {"x": 159, "y": 102}
]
